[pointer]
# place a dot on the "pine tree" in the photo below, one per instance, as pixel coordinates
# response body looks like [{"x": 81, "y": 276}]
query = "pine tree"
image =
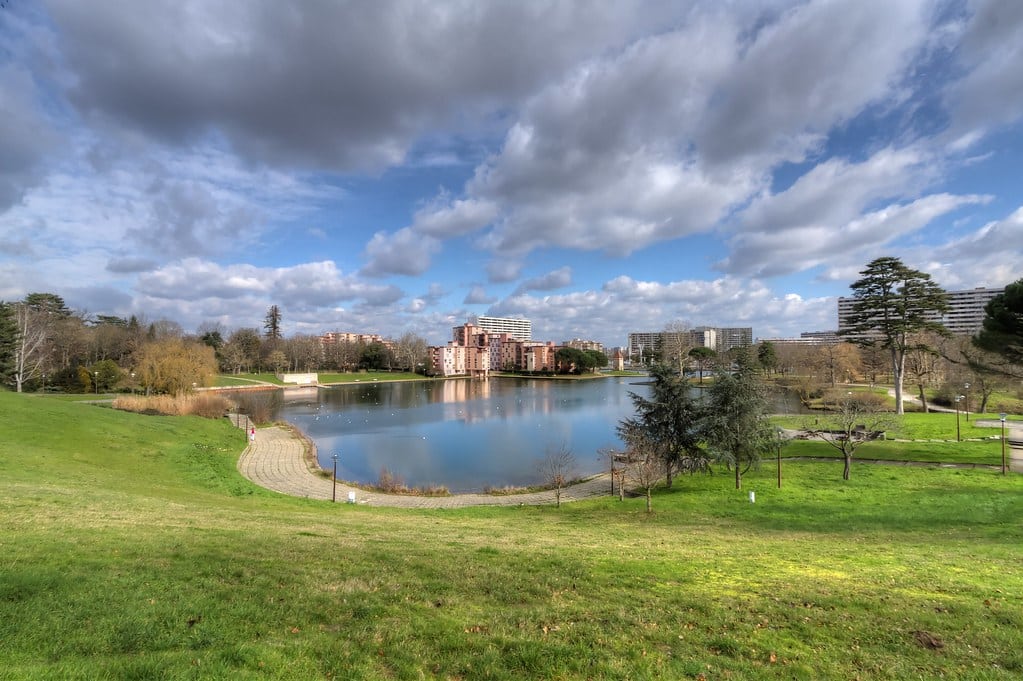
[
  {"x": 893, "y": 302},
  {"x": 8, "y": 341},
  {"x": 1003, "y": 324},
  {"x": 736, "y": 425},
  {"x": 272, "y": 323},
  {"x": 667, "y": 422}
]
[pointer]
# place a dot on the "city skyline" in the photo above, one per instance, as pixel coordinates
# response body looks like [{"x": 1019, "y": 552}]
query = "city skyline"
[{"x": 402, "y": 165}]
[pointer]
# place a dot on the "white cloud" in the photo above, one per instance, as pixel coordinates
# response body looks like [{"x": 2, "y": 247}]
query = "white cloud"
[{"x": 403, "y": 252}]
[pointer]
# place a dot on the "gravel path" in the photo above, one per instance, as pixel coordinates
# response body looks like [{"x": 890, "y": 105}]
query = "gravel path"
[{"x": 276, "y": 461}]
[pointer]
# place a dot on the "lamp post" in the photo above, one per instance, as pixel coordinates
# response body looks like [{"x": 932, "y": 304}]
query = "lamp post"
[
  {"x": 333, "y": 491},
  {"x": 133, "y": 383},
  {"x": 95, "y": 375},
  {"x": 778, "y": 443},
  {"x": 966, "y": 400},
  {"x": 1002, "y": 419},
  {"x": 958, "y": 436}
]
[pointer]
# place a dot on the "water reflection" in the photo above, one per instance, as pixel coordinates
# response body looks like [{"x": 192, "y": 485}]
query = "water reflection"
[{"x": 463, "y": 434}]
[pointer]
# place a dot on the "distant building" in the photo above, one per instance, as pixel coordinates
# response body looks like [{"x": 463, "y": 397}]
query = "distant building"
[
  {"x": 807, "y": 338},
  {"x": 475, "y": 350},
  {"x": 643, "y": 344},
  {"x": 965, "y": 315},
  {"x": 618, "y": 360},
  {"x": 345, "y": 337},
  {"x": 580, "y": 344},
  {"x": 721, "y": 339},
  {"x": 822, "y": 336},
  {"x": 729, "y": 338},
  {"x": 522, "y": 329}
]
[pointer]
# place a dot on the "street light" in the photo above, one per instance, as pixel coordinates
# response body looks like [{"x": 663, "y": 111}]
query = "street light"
[
  {"x": 333, "y": 491},
  {"x": 958, "y": 436},
  {"x": 96, "y": 381},
  {"x": 966, "y": 403},
  {"x": 1002, "y": 418},
  {"x": 133, "y": 383},
  {"x": 778, "y": 443}
]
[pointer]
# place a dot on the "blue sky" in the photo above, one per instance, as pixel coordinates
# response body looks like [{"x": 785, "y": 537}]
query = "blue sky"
[{"x": 599, "y": 168}]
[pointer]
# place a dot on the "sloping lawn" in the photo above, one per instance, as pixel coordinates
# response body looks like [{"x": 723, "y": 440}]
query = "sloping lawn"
[{"x": 131, "y": 548}]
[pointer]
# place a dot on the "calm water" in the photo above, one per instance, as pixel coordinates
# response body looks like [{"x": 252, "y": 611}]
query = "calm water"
[
  {"x": 460, "y": 433},
  {"x": 463, "y": 434}
]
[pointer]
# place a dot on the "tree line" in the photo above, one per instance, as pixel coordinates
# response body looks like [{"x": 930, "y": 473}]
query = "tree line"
[{"x": 46, "y": 345}]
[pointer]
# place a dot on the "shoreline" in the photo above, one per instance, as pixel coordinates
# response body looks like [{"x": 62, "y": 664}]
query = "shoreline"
[{"x": 278, "y": 460}]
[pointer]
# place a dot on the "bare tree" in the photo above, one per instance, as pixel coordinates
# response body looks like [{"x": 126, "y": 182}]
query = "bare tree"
[
  {"x": 644, "y": 468},
  {"x": 410, "y": 351},
  {"x": 556, "y": 469},
  {"x": 32, "y": 330},
  {"x": 676, "y": 342},
  {"x": 852, "y": 419},
  {"x": 923, "y": 364},
  {"x": 835, "y": 360}
]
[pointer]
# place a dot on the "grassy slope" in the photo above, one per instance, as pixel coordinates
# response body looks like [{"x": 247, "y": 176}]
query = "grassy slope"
[{"x": 130, "y": 548}]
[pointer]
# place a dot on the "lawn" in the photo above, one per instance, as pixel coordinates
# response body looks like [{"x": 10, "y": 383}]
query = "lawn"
[
  {"x": 917, "y": 437},
  {"x": 364, "y": 376},
  {"x": 131, "y": 548}
]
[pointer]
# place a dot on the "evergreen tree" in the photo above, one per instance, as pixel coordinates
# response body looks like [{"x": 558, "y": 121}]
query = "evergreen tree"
[
  {"x": 1003, "y": 324},
  {"x": 736, "y": 425},
  {"x": 666, "y": 423},
  {"x": 767, "y": 357},
  {"x": 891, "y": 303},
  {"x": 272, "y": 323},
  {"x": 8, "y": 341}
]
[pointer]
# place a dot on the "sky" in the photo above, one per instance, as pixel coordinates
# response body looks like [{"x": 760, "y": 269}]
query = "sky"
[{"x": 597, "y": 167}]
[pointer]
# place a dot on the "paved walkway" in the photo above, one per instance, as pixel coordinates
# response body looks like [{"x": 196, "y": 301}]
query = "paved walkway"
[{"x": 277, "y": 461}]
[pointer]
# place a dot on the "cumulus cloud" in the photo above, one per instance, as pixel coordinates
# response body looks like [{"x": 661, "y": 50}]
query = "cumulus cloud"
[
  {"x": 27, "y": 137},
  {"x": 624, "y": 305},
  {"x": 794, "y": 135},
  {"x": 807, "y": 72},
  {"x": 316, "y": 284},
  {"x": 559, "y": 278},
  {"x": 503, "y": 270},
  {"x": 340, "y": 86},
  {"x": 443, "y": 219},
  {"x": 990, "y": 91},
  {"x": 403, "y": 252},
  {"x": 826, "y": 213},
  {"x": 477, "y": 295}
]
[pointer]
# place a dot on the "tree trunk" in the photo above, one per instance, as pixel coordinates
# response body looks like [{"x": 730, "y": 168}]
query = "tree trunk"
[
  {"x": 667, "y": 472},
  {"x": 848, "y": 467},
  {"x": 738, "y": 476},
  {"x": 649, "y": 502},
  {"x": 898, "y": 360},
  {"x": 923, "y": 398}
]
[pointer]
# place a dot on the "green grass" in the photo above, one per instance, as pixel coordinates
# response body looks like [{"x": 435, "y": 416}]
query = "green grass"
[
  {"x": 231, "y": 380},
  {"x": 131, "y": 548},
  {"x": 370, "y": 376}
]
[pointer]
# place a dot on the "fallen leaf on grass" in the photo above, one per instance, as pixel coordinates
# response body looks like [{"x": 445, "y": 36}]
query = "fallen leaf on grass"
[{"x": 928, "y": 640}]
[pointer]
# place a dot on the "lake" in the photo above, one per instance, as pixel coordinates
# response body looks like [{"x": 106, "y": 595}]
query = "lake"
[{"x": 463, "y": 434}]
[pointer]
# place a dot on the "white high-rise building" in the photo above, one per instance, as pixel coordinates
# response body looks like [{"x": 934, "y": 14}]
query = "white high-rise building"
[
  {"x": 965, "y": 314},
  {"x": 522, "y": 329}
]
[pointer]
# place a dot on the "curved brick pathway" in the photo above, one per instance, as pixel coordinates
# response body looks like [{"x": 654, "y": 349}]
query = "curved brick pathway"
[{"x": 276, "y": 461}]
